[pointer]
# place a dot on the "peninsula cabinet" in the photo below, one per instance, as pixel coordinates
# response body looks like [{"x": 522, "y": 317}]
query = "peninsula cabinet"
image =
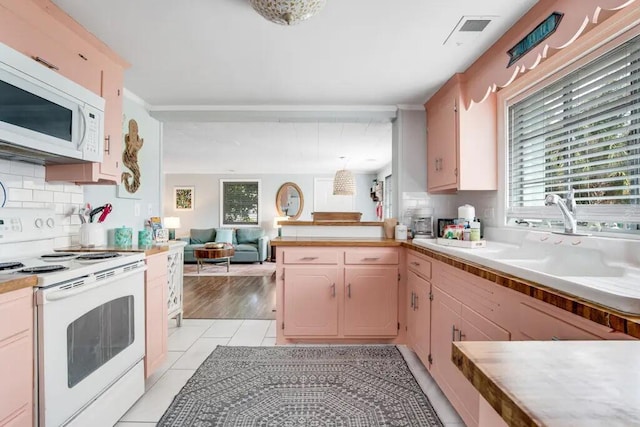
[
  {"x": 371, "y": 301},
  {"x": 311, "y": 301},
  {"x": 42, "y": 31},
  {"x": 16, "y": 358},
  {"x": 337, "y": 294},
  {"x": 156, "y": 318},
  {"x": 461, "y": 141}
]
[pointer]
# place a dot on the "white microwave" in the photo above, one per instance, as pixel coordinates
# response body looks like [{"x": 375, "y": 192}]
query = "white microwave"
[{"x": 44, "y": 117}]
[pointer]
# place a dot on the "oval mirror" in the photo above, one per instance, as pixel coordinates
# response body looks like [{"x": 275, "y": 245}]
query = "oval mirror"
[{"x": 289, "y": 200}]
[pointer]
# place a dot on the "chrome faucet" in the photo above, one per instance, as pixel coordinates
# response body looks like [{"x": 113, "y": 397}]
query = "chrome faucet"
[{"x": 568, "y": 209}]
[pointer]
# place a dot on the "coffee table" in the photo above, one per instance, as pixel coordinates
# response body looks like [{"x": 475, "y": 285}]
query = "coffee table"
[{"x": 215, "y": 254}]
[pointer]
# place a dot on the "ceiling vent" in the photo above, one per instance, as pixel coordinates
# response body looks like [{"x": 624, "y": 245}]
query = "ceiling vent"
[{"x": 468, "y": 30}]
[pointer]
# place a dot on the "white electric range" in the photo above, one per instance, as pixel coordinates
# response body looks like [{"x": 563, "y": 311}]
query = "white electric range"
[{"x": 90, "y": 321}]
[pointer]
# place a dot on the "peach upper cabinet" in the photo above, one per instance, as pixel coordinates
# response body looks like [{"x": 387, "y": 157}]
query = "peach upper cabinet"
[
  {"x": 461, "y": 142},
  {"x": 42, "y": 31}
]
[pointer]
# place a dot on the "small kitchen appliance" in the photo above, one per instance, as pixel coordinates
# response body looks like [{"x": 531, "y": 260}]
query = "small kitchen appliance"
[
  {"x": 423, "y": 224},
  {"x": 44, "y": 116}
]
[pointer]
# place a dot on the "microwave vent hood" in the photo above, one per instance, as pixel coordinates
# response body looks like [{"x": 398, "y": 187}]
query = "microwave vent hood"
[
  {"x": 46, "y": 118},
  {"x": 13, "y": 152}
]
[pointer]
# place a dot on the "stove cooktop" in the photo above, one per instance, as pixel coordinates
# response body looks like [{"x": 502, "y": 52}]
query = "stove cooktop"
[{"x": 57, "y": 268}]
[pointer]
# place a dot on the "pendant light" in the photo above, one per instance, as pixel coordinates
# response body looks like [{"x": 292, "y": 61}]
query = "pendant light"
[
  {"x": 287, "y": 12},
  {"x": 344, "y": 183}
]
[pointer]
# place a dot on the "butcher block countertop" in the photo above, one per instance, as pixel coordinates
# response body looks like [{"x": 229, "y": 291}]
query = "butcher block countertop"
[
  {"x": 556, "y": 383},
  {"x": 14, "y": 283},
  {"x": 603, "y": 315},
  {"x": 335, "y": 241},
  {"x": 156, "y": 249}
]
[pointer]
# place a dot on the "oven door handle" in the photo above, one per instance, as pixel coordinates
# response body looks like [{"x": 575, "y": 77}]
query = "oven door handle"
[{"x": 66, "y": 293}]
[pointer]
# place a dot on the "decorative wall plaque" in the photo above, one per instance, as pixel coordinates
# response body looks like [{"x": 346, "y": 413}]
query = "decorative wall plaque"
[{"x": 535, "y": 37}]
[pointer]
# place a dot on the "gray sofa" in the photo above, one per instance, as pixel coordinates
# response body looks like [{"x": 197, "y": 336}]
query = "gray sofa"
[{"x": 250, "y": 244}]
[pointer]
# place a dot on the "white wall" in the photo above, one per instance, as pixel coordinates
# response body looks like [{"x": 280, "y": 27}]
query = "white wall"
[
  {"x": 206, "y": 213},
  {"x": 133, "y": 212},
  {"x": 25, "y": 187}
]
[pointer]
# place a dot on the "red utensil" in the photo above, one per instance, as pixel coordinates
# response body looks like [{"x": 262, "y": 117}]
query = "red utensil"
[{"x": 106, "y": 211}]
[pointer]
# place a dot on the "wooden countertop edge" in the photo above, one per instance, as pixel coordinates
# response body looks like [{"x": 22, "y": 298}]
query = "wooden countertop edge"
[
  {"x": 314, "y": 241},
  {"x": 18, "y": 283},
  {"x": 500, "y": 400},
  {"x": 338, "y": 223},
  {"x": 620, "y": 322},
  {"x": 147, "y": 251}
]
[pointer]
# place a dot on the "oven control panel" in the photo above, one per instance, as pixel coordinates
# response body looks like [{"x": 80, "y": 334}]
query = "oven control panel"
[{"x": 22, "y": 224}]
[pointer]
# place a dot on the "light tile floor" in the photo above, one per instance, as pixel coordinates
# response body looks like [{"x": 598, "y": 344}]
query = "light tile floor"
[{"x": 190, "y": 345}]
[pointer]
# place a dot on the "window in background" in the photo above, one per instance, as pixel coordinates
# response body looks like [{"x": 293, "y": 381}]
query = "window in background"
[
  {"x": 388, "y": 193},
  {"x": 583, "y": 132},
  {"x": 240, "y": 202}
]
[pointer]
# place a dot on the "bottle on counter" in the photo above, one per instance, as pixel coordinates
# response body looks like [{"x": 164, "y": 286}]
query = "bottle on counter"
[{"x": 474, "y": 231}]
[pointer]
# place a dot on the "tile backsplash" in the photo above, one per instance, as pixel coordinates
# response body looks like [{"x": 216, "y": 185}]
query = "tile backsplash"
[{"x": 25, "y": 187}]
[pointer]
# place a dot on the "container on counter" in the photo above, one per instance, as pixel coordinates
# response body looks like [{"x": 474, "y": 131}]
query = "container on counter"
[
  {"x": 145, "y": 237},
  {"x": 92, "y": 234},
  {"x": 401, "y": 232},
  {"x": 123, "y": 237}
]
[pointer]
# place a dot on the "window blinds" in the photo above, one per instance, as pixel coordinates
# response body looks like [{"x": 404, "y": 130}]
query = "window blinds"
[{"x": 582, "y": 131}]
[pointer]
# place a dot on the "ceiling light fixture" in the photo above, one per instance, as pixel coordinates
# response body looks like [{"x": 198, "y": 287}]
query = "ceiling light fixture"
[
  {"x": 344, "y": 183},
  {"x": 287, "y": 12}
]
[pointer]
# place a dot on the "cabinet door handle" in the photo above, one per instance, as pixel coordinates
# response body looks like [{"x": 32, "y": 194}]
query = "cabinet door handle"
[
  {"x": 371, "y": 259},
  {"x": 415, "y": 303},
  {"x": 349, "y": 290},
  {"x": 453, "y": 332},
  {"x": 413, "y": 295},
  {"x": 308, "y": 258},
  {"x": 417, "y": 264},
  {"x": 107, "y": 145},
  {"x": 333, "y": 290},
  {"x": 460, "y": 335},
  {"x": 45, "y": 63}
]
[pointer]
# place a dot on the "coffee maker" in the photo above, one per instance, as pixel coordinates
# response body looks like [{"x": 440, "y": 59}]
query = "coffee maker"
[{"x": 423, "y": 223}]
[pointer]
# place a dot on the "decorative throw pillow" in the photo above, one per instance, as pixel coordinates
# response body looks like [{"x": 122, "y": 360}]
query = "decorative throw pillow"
[
  {"x": 199, "y": 236},
  {"x": 224, "y": 235},
  {"x": 249, "y": 235}
]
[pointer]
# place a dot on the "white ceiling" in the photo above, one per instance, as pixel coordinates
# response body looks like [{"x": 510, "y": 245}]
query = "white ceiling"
[
  {"x": 222, "y": 53},
  {"x": 284, "y": 148}
]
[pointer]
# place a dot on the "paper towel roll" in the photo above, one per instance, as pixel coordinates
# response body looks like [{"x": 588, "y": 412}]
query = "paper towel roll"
[{"x": 467, "y": 212}]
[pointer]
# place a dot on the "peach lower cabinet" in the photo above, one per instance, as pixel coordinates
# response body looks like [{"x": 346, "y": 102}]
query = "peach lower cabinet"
[
  {"x": 449, "y": 305},
  {"x": 339, "y": 294},
  {"x": 16, "y": 358},
  {"x": 399, "y": 295},
  {"x": 156, "y": 317}
]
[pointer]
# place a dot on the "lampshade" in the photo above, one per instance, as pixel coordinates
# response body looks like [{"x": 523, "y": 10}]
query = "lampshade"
[
  {"x": 172, "y": 222},
  {"x": 344, "y": 183},
  {"x": 287, "y": 12}
]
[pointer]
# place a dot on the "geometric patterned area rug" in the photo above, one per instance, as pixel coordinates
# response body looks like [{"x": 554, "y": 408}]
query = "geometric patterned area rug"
[
  {"x": 350, "y": 386},
  {"x": 211, "y": 269}
]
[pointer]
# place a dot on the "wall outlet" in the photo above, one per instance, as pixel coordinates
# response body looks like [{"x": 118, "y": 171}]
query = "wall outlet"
[{"x": 136, "y": 209}]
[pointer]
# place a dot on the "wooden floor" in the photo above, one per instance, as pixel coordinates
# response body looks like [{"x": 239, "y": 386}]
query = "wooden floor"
[{"x": 223, "y": 297}]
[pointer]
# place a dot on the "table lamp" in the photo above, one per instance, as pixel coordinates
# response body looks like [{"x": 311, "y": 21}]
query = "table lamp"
[
  {"x": 172, "y": 222},
  {"x": 278, "y": 226}
]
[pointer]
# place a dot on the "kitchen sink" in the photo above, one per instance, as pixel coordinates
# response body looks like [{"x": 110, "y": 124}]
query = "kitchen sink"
[{"x": 559, "y": 266}]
